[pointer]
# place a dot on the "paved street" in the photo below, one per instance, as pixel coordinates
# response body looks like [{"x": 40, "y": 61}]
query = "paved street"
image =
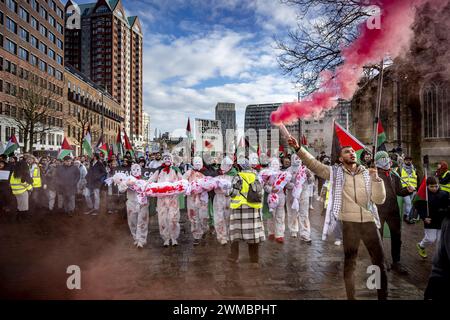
[{"x": 34, "y": 256}]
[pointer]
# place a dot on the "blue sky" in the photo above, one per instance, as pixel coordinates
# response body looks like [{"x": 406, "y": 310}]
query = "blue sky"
[{"x": 200, "y": 52}]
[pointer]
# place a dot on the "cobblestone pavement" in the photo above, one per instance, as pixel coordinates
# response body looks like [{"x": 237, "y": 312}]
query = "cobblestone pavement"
[{"x": 34, "y": 256}]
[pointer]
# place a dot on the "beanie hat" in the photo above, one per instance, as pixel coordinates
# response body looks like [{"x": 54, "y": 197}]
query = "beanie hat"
[{"x": 381, "y": 154}]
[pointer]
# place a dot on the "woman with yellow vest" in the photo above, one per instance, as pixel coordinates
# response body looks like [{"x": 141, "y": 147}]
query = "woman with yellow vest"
[
  {"x": 21, "y": 183},
  {"x": 408, "y": 176},
  {"x": 245, "y": 219},
  {"x": 443, "y": 175},
  {"x": 35, "y": 173}
]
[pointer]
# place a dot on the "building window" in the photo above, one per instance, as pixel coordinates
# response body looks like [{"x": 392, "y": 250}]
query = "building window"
[
  {"x": 11, "y": 25},
  {"x": 59, "y": 13},
  {"x": 34, "y": 23},
  {"x": 43, "y": 48},
  {"x": 43, "y": 13},
  {"x": 23, "y": 54},
  {"x": 51, "y": 53},
  {"x": 58, "y": 139},
  {"x": 60, "y": 28},
  {"x": 58, "y": 75},
  {"x": 34, "y": 42},
  {"x": 24, "y": 14},
  {"x": 51, "y": 20},
  {"x": 59, "y": 43},
  {"x": 436, "y": 107},
  {"x": 59, "y": 59},
  {"x": 51, "y": 70},
  {"x": 24, "y": 34},
  {"x": 34, "y": 60},
  {"x": 12, "y": 5},
  {"x": 43, "y": 30},
  {"x": 52, "y": 37},
  {"x": 11, "y": 46},
  {"x": 42, "y": 66}
]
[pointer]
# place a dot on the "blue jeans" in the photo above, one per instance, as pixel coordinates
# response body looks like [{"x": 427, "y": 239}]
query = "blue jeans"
[{"x": 87, "y": 195}]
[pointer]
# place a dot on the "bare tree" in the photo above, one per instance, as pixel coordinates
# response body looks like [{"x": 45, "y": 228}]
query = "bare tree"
[
  {"x": 324, "y": 27},
  {"x": 35, "y": 105}
]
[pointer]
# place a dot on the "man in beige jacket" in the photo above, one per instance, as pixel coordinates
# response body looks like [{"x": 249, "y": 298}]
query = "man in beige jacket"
[{"x": 356, "y": 191}]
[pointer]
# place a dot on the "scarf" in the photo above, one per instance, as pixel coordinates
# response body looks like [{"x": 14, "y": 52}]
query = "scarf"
[
  {"x": 166, "y": 168},
  {"x": 336, "y": 186}
]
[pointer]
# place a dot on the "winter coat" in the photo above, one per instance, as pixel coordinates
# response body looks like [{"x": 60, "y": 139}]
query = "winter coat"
[
  {"x": 96, "y": 176},
  {"x": 354, "y": 195},
  {"x": 393, "y": 186},
  {"x": 437, "y": 207},
  {"x": 67, "y": 178}
]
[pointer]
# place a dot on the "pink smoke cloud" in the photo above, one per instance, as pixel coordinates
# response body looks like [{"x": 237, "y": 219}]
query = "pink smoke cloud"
[{"x": 371, "y": 46}]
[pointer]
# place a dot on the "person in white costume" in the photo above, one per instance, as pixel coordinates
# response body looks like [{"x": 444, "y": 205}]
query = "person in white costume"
[
  {"x": 197, "y": 208},
  {"x": 167, "y": 206},
  {"x": 137, "y": 213}
]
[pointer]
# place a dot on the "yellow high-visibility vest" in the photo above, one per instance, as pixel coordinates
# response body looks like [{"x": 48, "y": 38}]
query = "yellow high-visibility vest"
[
  {"x": 17, "y": 186},
  {"x": 240, "y": 199},
  {"x": 445, "y": 187},
  {"x": 409, "y": 180},
  {"x": 37, "y": 182}
]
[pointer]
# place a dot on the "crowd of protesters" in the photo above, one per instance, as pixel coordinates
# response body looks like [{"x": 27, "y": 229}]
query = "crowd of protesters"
[{"x": 359, "y": 197}]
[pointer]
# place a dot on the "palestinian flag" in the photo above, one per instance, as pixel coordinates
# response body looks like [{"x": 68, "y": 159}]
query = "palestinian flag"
[
  {"x": 381, "y": 137},
  {"x": 66, "y": 149},
  {"x": 342, "y": 138},
  {"x": 128, "y": 146},
  {"x": 87, "y": 142},
  {"x": 118, "y": 146},
  {"x": 110, "y": 152},
  {"x": 11, "y": 146},
  {"x": 99, "y": 143},
  {"x": 104, "y": 149},
  {"x": 421, "y": 194}
]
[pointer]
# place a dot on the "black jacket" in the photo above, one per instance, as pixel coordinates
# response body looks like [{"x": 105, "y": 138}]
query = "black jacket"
[
  {"x": 437, "y": 207},
  {"x": 96, "y": 176},
  {"x": 394, "y": 188},
  {"x": 67, "y": 178}
]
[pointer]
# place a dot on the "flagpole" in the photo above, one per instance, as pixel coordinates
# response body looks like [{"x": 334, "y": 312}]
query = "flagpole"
[
  {"x": 378, "y": 109},
  {"x": 426, "y": 163}
]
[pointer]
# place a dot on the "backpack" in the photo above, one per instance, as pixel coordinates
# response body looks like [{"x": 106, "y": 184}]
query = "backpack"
[{"x": 254, "y": 189}]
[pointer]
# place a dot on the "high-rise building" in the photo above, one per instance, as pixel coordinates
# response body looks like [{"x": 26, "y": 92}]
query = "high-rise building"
[
  {"x": 146, "y": 127},
  {"x": 257, "y": 117},
  {"x": 226, "y": 114},
  {"x": 32, "y": 59},
  {"x": 106, "y": 45}
]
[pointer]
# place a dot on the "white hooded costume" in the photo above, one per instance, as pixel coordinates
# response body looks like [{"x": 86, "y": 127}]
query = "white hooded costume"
[
  {"x": 221, "y": 204},
  {"x": 196, "y": 208},
  {"x": 168, "y": 207},
  {"x": 137, "y": 214},
  {"x": 298, "y": 214},
  {"x": 276, "y": 224}
]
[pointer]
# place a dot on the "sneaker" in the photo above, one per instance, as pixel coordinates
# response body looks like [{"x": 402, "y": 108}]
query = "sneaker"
[
  {"x": 311, "y": 207},
  {"x": 110, "y": 212},
  {"x": 174, "y": 243},
  {"x": 135, "y": 243},
  {"x": 196, "y": 242},
  {"x": 337, "y": 243},
  {"x": 294, "y": 234},
  {"x": 279, "y": 240},
  {"x": 89, "y": 211},
  {"x": 94, "y": 213},
  {"x": 231, "y": 259},
  {"x": 140, "y": 246},
  {"x": 166, "y": 243},
  {"x": 271, "y": 237},
  {"x": 223, "y": 242},
  {"x": 254, "y": 265},
  {"x": 422, "y": 252},
  {"x": 307, "y": 241}
]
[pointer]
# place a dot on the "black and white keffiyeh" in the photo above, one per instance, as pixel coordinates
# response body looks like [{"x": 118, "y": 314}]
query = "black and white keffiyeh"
[{"x": 335, "y": 195}]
